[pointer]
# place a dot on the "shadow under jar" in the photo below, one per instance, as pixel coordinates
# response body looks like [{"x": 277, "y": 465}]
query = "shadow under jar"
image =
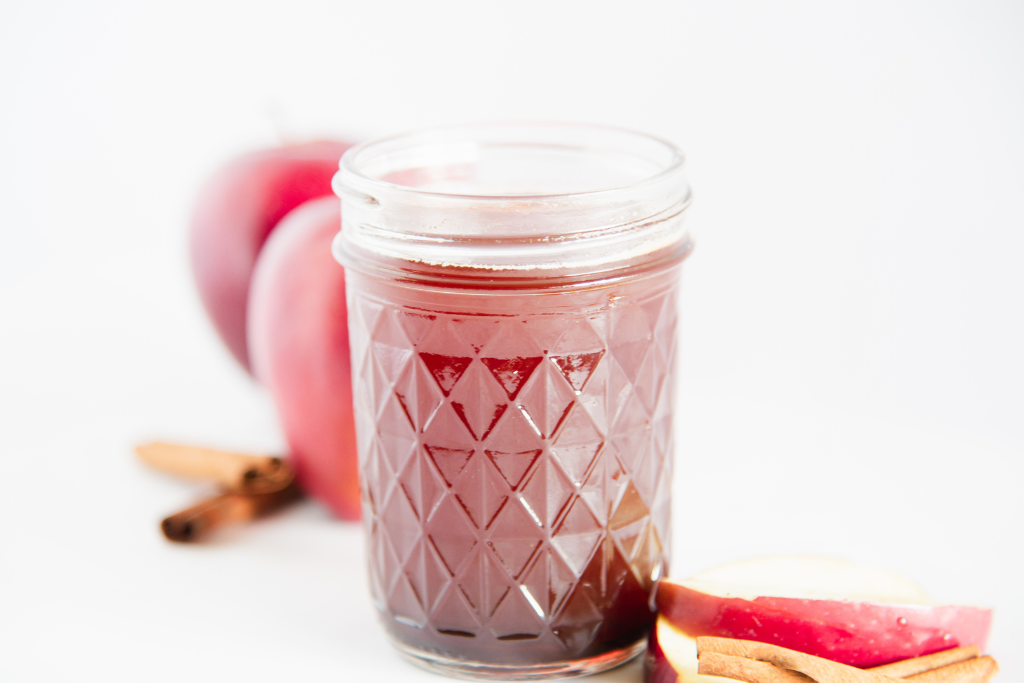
[{"x": 512, "y": 314}]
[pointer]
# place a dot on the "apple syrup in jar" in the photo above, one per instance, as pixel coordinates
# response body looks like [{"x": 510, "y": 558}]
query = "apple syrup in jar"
[{"x": 512, "y": 315}]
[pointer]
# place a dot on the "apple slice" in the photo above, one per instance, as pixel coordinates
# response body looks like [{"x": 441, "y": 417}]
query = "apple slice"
[
  {"x": 658, "y": 668},
  {"x": 829, "y": 608}
]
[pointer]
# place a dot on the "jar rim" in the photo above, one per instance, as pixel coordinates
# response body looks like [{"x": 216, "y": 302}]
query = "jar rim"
[
  {"x": 352, "y": 173},
  {"x": 615, "y": 202}
]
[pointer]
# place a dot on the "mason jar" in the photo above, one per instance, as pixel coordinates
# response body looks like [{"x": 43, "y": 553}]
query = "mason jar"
[{"x": 512, "y": 301}]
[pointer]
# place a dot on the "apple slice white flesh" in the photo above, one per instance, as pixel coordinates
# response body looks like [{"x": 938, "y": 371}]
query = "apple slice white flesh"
[{"x": 834, "y": 609}]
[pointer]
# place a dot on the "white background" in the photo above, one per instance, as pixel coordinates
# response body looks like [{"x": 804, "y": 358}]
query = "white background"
[{"x": 853, "y": 374}]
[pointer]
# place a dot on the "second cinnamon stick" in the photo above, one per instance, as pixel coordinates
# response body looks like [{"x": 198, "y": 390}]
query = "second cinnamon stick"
[{"x": 198, "y": 520}]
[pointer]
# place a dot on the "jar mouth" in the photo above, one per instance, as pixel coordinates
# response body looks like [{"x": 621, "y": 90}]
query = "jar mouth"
[
  {"x": 502, "y": 162},
  {"x": 507, "y": 200}
]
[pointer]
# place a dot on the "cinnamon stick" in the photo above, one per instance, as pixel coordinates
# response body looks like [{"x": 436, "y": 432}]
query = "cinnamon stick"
[
  {"x": 746, "y": 660},
  {"x": 234, "y": 471},
  {"x": 189, "y": 525},
  {"x": 748, "y": 670},
  {"x": 979, "y": 670},
  {"x": 911, "y": 667},
  {"x": 820, "y": 669}
]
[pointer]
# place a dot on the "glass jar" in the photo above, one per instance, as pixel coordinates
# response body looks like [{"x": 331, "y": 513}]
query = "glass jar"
[{"x": 512, "y": 313}]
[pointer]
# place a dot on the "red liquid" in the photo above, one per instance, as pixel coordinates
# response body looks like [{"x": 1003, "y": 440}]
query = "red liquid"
[{"x": 515, "y": 458}]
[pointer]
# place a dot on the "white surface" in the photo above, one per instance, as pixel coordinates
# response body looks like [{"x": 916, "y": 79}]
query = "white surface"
[{"x": 853, "y": 381}]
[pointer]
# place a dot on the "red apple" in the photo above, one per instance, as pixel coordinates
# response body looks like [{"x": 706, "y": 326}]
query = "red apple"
[
  {"x": 236, "y": 212},
  {"x": 829, "y": 608},
  {"x": 298, "y": 338}
]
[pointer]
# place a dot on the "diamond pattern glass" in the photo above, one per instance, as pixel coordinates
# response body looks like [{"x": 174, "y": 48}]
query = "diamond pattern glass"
[{"x": 515, "y": 472}]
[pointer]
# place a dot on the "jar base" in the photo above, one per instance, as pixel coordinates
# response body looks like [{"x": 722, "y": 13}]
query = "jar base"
[{"x": 459, "y": 668}]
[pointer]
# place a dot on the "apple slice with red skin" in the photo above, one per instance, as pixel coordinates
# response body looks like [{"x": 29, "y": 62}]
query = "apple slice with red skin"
[
  {"x": 298, "y": 336},
  {"x": 885, "y": 621},
  {"x": 237, "y": 209},
  {"x": 657, "y": 667}
]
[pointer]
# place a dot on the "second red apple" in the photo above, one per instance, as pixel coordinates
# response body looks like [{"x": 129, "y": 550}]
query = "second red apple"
[{"x": 298, "y": 340}]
